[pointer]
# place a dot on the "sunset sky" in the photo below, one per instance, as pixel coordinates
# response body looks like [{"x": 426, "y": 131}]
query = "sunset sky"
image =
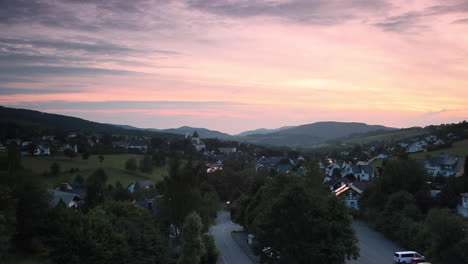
[{"x": 235, "y": 65}]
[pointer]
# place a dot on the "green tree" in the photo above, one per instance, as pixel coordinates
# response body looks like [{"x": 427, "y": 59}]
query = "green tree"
[
  {"x": 146, "y": 165},
  {"x": 79, "y": 179},
  {"x": 55, "y": 169},
  {"x": 211, "y": 254},
  {"x": 131, "y": 164},
  {"x": 192, "y": 244},
  {"x": 96, "y": 186},
  {"x": 304, "y": 226},
  {"x": 181, "y": 194},
  {"x": 101, "y": 159},
  {"x": 31, "y": 213},
  {"x": 14, "y": 158},
  {"x": 448, "y": 238},
  {"x": 4, "y": 238},
  {"x": 121, "y": 193},
  {"x": 69, "y": 153}
]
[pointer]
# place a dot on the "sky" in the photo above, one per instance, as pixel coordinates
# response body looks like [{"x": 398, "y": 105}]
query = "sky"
[{"x": 236, "y": 65}]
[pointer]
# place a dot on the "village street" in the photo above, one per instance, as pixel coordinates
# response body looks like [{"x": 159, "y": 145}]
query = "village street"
[{"x": 374, "y": 247}]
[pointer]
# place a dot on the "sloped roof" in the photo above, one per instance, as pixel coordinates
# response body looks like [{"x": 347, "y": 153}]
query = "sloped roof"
[
  {"x": 346, "y": 187},
  {"x": 64, "y": 196}
]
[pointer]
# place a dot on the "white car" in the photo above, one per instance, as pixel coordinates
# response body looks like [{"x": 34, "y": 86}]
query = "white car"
[{"x": 406, "y": 256}]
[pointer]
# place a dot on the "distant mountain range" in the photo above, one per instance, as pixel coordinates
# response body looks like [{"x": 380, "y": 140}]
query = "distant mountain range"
[
  {"x": 303, "y": 135},
  {"x": 311, "y": 134}
]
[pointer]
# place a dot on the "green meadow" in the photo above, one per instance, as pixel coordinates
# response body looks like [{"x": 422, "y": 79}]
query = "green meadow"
[{"x": 113, "y": 165}]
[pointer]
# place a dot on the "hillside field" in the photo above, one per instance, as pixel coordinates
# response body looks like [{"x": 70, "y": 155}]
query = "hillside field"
[
  {"x": 459, "y": 148},
  {"x": 114, "y": 166}
]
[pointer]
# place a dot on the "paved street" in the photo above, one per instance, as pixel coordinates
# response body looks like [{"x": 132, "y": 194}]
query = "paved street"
[
  {"x": 230, "y": 252},
  {"x": 375, "y": 248}
]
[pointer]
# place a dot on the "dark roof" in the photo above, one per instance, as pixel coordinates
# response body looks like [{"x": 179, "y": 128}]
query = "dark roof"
[
  {"x": 361, "y": 185},
  {"x": 145, "y": 184},
  {"x": 78, "y": 189},
  {"x": 149, "y": 204},
  {"x": 64, "y": 196},
  {"x": 336, "y": 180}
]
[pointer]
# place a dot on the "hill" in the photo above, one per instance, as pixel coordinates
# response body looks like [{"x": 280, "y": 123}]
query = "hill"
[
  {"x": 41, "y": 123},
  {"x": 202, "y": 132},
  {"x": 312, "y": 134},
  {"x": 262, "y": 131}
]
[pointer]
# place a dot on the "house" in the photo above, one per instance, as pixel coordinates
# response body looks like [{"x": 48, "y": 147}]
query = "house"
[
  {"x": 268, "y": 164},
  {"x": 361, "y": 172},
  {"x": 334, "y": 166},
  {"x": 140, "y": 185},
  {"x": 462, "y": 208},
  {"x": 416, "y": 147},
  {"x": 78, "y": 189},
  {"x": 149, "y": 204},
  {"x": 68, "y": 146},
  {"x": 137, "y": 145},
  {"x": 2, "y": 148},
  {"x": 443, "y": 165},
  {"x": 42, "y": 149},
  {"x": 227, "y": 151},
  {"x": 197, "y": 143},
  {"x": 382, "y": 156},
  {"x": 70, "y": 200},
  {"x": 283, "y": 168},
  {"x": 431, "y": 139},
  {"x": 350, "y": 193},
  {"x": 335, "y": 183}
]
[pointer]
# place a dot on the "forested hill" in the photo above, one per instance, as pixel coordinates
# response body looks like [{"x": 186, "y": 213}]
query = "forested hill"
[
  {"x": 22, "y": 121},
  {"x": 315, "y": 133}
]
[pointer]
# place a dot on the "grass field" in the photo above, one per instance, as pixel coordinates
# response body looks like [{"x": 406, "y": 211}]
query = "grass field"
[
  {"x": 112, "y": 164},
  {"x": 459, "y": 148}
]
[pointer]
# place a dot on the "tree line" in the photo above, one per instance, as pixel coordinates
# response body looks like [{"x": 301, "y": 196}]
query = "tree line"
[
  {"x": 400, "y": 205},
  {"x": 109, "y": 227}
]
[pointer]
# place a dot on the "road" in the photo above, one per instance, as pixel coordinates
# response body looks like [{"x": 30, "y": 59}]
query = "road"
[
  {"x": 375, "y": 248},
  {"x": 230, "y": 252}
]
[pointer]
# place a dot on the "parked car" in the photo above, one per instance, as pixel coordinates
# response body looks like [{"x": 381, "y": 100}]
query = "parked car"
[
  {"x": 419, "y": 261},
  {"x": 406, "y": 256}
]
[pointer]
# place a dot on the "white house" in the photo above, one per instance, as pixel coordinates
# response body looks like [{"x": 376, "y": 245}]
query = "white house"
[
  {"x": 462, "y": 208},
  {"x": 362, "y": 172},
  {"x": 350, "y": 194}
]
